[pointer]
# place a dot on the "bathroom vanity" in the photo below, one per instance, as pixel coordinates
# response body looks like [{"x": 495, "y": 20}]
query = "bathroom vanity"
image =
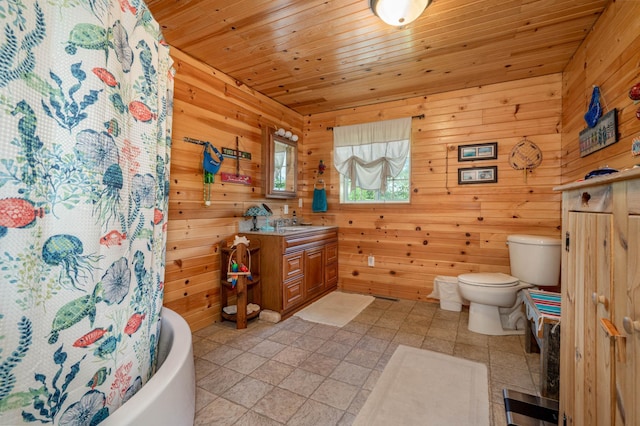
[
  {"x": 298, "y": 266},
  {"x": 600, "y": 339}
]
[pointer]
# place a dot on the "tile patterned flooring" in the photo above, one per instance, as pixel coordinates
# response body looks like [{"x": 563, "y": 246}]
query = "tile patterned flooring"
[{"x": 303, "y": 373}]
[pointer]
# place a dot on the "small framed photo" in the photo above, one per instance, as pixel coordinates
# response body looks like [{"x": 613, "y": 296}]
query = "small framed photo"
[
  {"x": 477, "y": 175},
  {"x": 483, "y": 151}
]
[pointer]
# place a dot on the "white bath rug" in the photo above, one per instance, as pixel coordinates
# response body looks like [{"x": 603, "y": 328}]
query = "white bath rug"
[
  {"x": 420, "y": 387},
  {"x": 336, "y": 308}
]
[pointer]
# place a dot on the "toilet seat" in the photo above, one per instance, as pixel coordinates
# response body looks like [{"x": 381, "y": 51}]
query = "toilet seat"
[{"x": 488, "y": 279}]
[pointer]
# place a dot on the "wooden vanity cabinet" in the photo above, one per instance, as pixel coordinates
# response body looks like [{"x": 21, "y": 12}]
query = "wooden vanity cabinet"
[
  {"x": 297, "y": 267},
  {"x": 600, "y": 338}
]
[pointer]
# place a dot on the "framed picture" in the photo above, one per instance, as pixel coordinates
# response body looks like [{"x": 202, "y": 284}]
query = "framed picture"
[
  {"x": 478, "y": 175},
  {"x": 603, "y": 134},
  {"x": 483, "y": 151}
]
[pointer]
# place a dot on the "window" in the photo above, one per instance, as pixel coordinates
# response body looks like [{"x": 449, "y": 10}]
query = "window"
[
  {"x": 398, "y": 189},
  {"x": 281, "y": 166},
  {"x": 373, "y": 161}
]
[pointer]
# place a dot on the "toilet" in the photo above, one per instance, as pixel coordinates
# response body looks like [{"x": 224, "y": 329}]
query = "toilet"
[{"x": 495, "y": 306}]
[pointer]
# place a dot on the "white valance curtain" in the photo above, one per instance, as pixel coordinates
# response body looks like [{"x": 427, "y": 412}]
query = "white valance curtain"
[{"x": 370, "y": 153}]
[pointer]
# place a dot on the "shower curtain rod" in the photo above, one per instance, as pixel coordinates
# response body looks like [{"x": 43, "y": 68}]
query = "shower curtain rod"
[{"x": 419, "y": 117}]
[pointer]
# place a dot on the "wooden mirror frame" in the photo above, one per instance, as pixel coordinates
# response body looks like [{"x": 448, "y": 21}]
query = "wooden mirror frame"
[{"x": 270, "y": 138}]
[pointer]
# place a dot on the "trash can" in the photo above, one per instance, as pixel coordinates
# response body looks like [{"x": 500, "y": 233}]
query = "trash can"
[{"x": 447, "y": 288}]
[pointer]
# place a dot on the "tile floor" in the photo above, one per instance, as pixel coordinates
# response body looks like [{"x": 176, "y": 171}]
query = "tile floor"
[{"x": 302, "y": 373}]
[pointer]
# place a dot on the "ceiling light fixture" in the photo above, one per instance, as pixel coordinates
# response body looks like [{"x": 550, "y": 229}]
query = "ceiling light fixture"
[{"x": 398, "y": 12}]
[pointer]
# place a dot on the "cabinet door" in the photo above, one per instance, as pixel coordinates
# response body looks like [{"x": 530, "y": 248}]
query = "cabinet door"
[
  {"x": 332, "y": 253},
  {"x": 628, "y": 373},
  {"x": 331, "y": 270},
  {"x": 331, "y": 275},
  {"x": 586, "y": 351},
  {"x": 314, "y": 271},
  {"x": 293, "y": 293}
]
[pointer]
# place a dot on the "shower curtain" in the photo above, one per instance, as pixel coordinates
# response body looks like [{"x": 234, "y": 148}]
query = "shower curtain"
[{"x": 85, "y": 121}]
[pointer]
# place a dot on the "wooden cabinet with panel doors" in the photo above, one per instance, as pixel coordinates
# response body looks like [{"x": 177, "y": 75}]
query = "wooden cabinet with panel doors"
[{"x": 600, "y": 339}]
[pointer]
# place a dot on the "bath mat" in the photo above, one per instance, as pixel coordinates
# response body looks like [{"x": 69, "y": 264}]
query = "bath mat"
[
  {"x": 336, "y": 308},
  {"x": 420, "y": 387}
]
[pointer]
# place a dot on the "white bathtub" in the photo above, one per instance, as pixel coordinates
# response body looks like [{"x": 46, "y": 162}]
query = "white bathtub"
[{"x": 169, "y": 397}]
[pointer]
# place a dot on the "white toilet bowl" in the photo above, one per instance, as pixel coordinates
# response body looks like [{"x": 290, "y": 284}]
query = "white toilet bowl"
[{"x": 494, "y": 306}]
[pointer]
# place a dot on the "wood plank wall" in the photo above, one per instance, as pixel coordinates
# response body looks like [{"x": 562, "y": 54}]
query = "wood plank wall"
[
  {"x": 209, "y": 105},
  {"x": 609, "y": 58},
  {"x": 447, "y": 229}
]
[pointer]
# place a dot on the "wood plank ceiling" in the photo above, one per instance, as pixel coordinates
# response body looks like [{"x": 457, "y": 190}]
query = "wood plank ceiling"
[{"x": 325, "y": 55}]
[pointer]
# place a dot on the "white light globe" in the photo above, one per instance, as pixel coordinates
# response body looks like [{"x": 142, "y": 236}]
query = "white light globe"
[{"x": 399, "y": 13}]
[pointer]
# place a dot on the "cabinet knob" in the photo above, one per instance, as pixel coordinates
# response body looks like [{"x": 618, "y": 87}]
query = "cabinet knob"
[
  {"x": 599, "y": 299},
  {"x": 630, "y": 325}
]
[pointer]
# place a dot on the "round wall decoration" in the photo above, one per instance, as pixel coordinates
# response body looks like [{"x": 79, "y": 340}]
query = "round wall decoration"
[{"x": 525, "y": 155}]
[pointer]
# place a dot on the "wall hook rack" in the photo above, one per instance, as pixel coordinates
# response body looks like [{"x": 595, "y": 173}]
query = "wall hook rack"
[
  {"x": 196, "y": 141},
  {"x": 210, "y": 166}
]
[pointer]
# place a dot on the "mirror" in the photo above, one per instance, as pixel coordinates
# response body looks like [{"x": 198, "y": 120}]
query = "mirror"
[{"x": 281, "y": 166}]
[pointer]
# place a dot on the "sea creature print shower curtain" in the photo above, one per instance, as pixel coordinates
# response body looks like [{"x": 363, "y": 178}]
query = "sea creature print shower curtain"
[{"x": 85, "y": 121}]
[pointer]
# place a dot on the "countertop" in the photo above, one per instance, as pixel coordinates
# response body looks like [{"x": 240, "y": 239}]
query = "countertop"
[
  {"x": 291, "y": 230},
  {"x": 601, "y": 180}
]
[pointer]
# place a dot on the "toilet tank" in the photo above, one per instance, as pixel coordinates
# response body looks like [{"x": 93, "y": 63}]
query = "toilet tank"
[{"x": 535, "y": 259}]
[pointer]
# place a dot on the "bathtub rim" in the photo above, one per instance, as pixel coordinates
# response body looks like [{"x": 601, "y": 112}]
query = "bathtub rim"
[{"x": 175, "y": 371}]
